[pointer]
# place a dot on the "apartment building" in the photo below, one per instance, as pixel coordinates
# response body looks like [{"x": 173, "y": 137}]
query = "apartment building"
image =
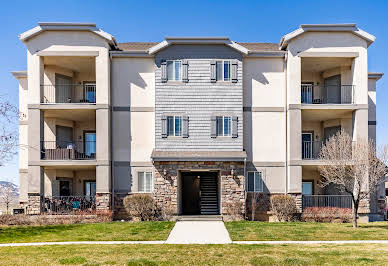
[{"x": 198, "y": 122}]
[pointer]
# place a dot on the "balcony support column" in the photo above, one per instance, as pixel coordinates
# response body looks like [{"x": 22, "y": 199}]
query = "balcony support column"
[
  {"x": 294, "y": 150},
  {"x": 103, "y": 173}
]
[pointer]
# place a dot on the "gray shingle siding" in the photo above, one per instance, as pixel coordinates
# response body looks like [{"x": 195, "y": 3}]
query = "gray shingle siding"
[{"x": 199, "y": 98}]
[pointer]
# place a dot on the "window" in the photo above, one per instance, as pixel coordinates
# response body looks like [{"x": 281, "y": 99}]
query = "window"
[
  {"x": 223, "y": 125},
  {"x": 255, "y": 182},
  {"x": 174, "y": 125},
  {"x": 223, "y": 70},
  {"x": 90, "y": 188},
  {"x": 90, "y": 92},
  {"x": 174, "y": 68},
  {"x": 307, "y": 188},
  {"x": 144, "y": 181}
]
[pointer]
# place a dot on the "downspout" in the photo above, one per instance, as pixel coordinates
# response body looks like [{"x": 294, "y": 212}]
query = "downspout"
[
  {"x": 112, "y": 171},
  {"x": 286, "y": 112},
  {"x": 245, "y": 193}
]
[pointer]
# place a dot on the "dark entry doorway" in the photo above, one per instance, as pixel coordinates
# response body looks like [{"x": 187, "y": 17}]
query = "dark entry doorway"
[{"x": 199, "y": 193}]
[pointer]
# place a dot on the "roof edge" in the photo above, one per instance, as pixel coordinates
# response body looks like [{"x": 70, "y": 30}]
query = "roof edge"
[
  {"x": 197, "y": 40},
  {"x": 375, "y": 75},
  {"x": 66, "y": 26},
  {"x": 341, "y": 27},
  {"x": 19, "y": 74}
]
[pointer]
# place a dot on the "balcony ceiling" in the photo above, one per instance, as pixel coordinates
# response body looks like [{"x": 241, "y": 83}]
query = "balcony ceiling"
[
  {"x": 74, "y": 63},
  {"x": 319, "y": 64},
  {"x": 322, "y": 115},
  {"x": 73, "y": 115}
]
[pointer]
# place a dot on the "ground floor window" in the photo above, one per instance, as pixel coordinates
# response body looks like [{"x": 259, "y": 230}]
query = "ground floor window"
[
  {"x": 255, "y": 181},
  {"x": 144, "y": 181}
]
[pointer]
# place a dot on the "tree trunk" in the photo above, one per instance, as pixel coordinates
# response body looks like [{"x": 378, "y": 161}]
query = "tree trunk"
[{"x": 355, "y": 213}]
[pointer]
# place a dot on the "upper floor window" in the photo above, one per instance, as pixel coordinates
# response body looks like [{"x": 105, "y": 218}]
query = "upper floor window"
[
  {"x": 223, "y": 124},
  {"x": 255, "y": 182},
  {"x": 174, "y": 70},
  {"x": 174, "y": 125},
  {"x": 144, "y": 181},
  {"x": 223, "y": 70}
]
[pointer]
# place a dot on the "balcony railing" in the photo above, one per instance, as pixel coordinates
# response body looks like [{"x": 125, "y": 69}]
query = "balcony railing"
[
  {"x": 68, "y": 150},
  {"x": 336, "y": 201},
  {"x": 329, "y": 94},
  {"x": 311, "y": 149},
  {"x": 69, "y": 93},
  {"x": 70, "y": 205}
]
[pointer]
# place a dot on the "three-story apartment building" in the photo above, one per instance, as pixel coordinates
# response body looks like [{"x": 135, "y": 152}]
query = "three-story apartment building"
[{"x": 196, "y": 121}]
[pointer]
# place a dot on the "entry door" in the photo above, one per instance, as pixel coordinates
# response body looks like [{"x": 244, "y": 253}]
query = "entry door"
[
  {"x": 333, "y": 89},
  {"x": 307, "y": 145},
  {"x": 331, "y": 131},
  {"x": 64, "y": 136},
  {"x": 90, "y": 143},
  {"x": 191, "y": 193},
  {"x": 90, "y": 188},
  {"x": 63, "y": 92}
]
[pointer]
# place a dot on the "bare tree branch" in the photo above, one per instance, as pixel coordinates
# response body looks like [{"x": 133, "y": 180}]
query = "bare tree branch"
[{"x": 354, "y": 167}]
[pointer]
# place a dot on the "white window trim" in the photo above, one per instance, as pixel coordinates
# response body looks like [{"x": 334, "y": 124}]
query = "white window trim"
[
  {"x": 152, "y": 181},
  {"x": 223, "y": 73},
  {"x": 173, "y": 70},
  {"x": 173, "y": 128},
  {"x": 254, "y": 180},
  {"x": 223, "y": 126}
]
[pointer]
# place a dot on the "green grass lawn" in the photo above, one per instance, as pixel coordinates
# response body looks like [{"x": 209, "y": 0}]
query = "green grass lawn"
[
  {"x": 247, "y": 230},
  {"x": 196, "y": 255},
  {"x": 85, "y": 232}
]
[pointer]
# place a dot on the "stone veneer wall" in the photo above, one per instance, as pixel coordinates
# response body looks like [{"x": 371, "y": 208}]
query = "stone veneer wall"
[
  {"x": 232, "y": 187},
  {"x": 103, "y": 202},
  {"x": 34, "y": 203}
]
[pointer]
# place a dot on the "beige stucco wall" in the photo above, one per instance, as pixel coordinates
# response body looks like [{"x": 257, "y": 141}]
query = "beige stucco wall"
[
  {"x": 372, "y": 108},
  {"x": 264, "y": 82}
]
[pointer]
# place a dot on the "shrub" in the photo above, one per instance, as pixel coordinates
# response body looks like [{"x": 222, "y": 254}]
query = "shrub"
[
  {"x": 234, "y": 211},
  {"x": 327, "y": 214},
  {"x": 257, "y": 205},
  {"x": 140, "y": 206},
  {"x": 283, "y": 207}
]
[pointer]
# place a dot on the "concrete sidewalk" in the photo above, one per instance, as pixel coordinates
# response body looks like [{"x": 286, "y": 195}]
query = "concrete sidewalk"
[
  {"x": 336, "y": 242},
  {"x": 199, "y": 232}
]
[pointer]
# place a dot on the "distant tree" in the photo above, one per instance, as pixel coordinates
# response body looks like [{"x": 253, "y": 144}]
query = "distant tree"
[
  {"x": 9, "y": 116},
  {"x": 356, "y": 168},
  {"x": 6, "y": 196}
]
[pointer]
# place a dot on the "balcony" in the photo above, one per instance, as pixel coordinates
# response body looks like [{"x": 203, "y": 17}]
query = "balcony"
[
  {"x": 69, "y": 93},
  {"x": 328, "y": 94},
  {"x": 68, "y": 150},
  {"x": 321, "y": 201},
  {"x": 311, "y": 150},
  {"x": 70, "y": 205}
]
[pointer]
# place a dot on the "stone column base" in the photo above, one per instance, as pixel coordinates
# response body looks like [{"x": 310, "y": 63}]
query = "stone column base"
[
  {"x": 103, "y": 202},
  {"x": 34, "y": 205}
]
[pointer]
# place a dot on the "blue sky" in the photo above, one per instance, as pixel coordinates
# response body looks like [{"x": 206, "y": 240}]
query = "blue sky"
[{"x": 258, "y": 21}]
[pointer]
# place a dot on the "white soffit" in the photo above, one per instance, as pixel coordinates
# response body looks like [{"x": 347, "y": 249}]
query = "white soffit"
[
  {"x": 66, "y": 26},
  {"x": 350, "y": 27},
  {"x": 197, "y": 40}
]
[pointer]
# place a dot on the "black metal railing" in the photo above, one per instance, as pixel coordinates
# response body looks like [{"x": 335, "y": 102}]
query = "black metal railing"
[
  {"x": 328, "y": 94},
  {"x": 335, "y": 201},
  {"x": 311, "y": 149},
  {"x": 68, "y": 150},
  {"x": 70, "y": 205},
  {"x": 69, "y": 93}
]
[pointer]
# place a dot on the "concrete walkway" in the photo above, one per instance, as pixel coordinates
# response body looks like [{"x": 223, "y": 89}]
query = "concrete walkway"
[
  {"x": 340, "y": 242},
  {"x": 199, "y": 232}
]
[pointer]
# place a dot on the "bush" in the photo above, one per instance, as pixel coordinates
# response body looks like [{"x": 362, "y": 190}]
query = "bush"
[
  {"x": 283, "y": 207},
  {"x": 45, "y": 219},
  {"x": 234, "y": 211},
  {"x": 258, "y": 204},
  {"x": 327, "y": 214},
  {"x": 140, "y": 206}
]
